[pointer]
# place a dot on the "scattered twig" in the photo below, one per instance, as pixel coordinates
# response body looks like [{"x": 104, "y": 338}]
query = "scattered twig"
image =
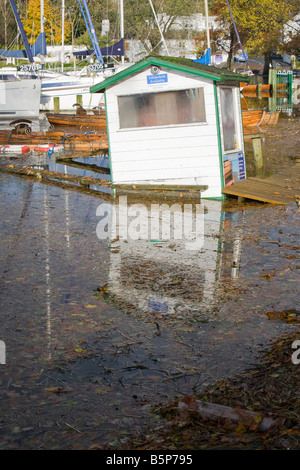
[{"x": 72, "y": 427}]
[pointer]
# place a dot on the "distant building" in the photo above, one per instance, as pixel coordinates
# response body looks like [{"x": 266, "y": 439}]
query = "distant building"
[
  {"x": 292, "y": 27},
  {"x": 196, "y": 22}
]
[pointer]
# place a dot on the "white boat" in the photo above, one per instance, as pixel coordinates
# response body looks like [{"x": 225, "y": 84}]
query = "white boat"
[
  {"x": 68, "y": 89},
  {"x": 65, "y": 86},
  {"x": 71, "y": 88},
  {"x": 20, "y": 99}
]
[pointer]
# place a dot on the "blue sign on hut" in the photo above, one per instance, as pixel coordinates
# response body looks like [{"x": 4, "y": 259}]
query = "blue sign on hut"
[{"x": 174, "y": 123}]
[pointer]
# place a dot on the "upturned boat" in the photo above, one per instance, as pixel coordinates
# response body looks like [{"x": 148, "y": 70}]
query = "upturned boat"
[
  {"x": 88, "y": 141},
  {"x": 259, "y": 117}
]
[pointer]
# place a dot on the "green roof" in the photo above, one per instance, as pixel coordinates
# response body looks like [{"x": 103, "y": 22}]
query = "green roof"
[{"x": 174, "y": 63}]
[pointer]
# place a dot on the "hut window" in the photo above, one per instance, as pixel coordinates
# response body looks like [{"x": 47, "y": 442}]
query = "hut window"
[
  {"x": 228, "y": 118},
  {"x": 162, "y": 109}
]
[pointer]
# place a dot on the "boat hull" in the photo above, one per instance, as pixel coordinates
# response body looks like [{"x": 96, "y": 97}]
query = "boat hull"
[
  {"x": 259, "y": 117},
  {"x": 20, "y": 99},
  {"x": 68, "y": 90},
  {"x": 70, "y": 120},
  {"x": 71, "y": 142},
  {"x": 252, "y": 117}
]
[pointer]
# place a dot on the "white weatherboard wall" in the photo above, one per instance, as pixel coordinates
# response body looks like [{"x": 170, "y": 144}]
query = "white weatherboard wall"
[{"x": 185, "y": 154}]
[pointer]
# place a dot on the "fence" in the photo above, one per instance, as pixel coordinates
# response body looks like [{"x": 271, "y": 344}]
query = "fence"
[{"x": 282, "y": 95}]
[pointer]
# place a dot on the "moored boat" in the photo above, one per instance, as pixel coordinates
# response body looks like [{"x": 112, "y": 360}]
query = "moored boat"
[
  {"x": 259, "y": 117},
  {"x": 79, "y": 120},
  {"x": 252, "y": 117},
  {"x": 20, "y": 99},
  {"x": 89, "y": 141}
]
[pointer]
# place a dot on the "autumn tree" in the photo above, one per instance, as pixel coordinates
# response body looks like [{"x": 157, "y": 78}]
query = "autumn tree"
[
  {"x": 260, "y": 24},
  {"x": 52, "y": 24},
  {"x": 292, "y": 40},
  {"x": 293, "y": 45}
]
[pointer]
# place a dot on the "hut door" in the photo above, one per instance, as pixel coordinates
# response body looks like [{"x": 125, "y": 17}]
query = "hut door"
[
  {"x": 228, "y": 119},
  {"x": 231, "y": 132}
]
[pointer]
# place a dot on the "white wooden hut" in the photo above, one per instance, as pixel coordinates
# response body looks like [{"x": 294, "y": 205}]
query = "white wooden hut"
[{"x": 175, "y": 123}]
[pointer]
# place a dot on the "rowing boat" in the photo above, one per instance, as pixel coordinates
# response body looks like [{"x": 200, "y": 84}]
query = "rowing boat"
[
  {"x": 70, "y": 120},
  {"x": 89, "y": 141},
  {"x": 252, "y": 117},
  {"x": 259, "y": 117}
]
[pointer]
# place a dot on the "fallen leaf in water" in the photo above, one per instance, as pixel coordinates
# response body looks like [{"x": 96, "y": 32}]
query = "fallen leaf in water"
[
  {"x": 266, "y": 276},
  {"x": 56, "y": 390}
]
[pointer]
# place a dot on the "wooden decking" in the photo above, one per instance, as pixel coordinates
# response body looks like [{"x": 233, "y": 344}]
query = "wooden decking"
[
  {"x": 160, "y": 191},
  {"x": 280, "y": 188}
]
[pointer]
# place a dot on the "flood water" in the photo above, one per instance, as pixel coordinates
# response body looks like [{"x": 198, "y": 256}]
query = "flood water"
[{"x": 100, "y": 331}]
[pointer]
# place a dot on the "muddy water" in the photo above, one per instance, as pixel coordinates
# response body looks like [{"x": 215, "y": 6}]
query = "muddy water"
[{"x": 97, "y": 332}]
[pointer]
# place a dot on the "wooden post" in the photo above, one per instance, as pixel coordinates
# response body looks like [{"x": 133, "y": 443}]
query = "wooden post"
[
  {"x": 259, "y": 91},
  {"x": 257, "y": 151},
  {"x": 79, "y": 99},
  {"x": 273, "y": 82},
  {"x": 56, "y": 104}
]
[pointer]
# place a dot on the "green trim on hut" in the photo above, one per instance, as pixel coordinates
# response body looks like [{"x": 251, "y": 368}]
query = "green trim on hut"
[
  {"x": 219, "y": 137},
  {"x": 174, "y": 63}
]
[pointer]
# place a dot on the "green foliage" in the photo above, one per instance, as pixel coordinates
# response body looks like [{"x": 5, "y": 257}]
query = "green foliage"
[{"x": 259, "y": 22}]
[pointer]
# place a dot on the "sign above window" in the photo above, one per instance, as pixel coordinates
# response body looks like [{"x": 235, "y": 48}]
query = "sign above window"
[{"x": 157, "y": 79}]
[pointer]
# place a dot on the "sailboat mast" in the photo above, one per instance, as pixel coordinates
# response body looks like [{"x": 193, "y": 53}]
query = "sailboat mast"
[
  {"x": 93, "y": 33},
  {"x": 236, "y": 31},
  {"x": 122, "y": 27},
  {"x": 159, "y": 28},
  {"x": 42, "y": 16},
  {"x": 62, "y": 34},
  {"x": 86, "y": 24},
  {"x": 207, "y": 27},
  {"x": 25, "y": 40}
]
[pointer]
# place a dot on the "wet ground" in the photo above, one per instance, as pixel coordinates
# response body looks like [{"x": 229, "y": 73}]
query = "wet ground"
[{"x": 99, "y": 333}]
